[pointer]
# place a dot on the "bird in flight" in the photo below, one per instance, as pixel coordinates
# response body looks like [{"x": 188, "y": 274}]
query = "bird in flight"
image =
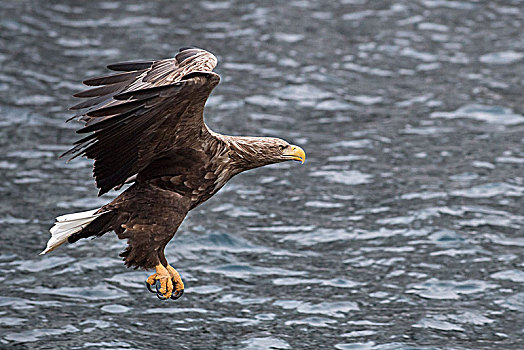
[{"x": 145, "y": 127}]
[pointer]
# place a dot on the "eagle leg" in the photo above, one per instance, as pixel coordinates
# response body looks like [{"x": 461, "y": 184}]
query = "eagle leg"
[
  {"x": 162, "y": 277},
  {"x": 177, "y": 281}
]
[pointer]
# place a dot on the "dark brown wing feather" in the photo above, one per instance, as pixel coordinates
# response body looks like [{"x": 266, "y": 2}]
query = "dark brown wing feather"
[
  {"x": 116, "y": 78},
  {"x": 130, "y": 66},
  {"x": 151, "y": 108}
]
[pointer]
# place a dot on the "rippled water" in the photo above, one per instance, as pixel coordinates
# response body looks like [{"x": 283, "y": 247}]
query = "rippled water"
[{"x": 404, "y": 229}]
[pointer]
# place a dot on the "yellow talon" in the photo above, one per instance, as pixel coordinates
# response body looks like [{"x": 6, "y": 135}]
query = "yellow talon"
[
  {"x": 175, "y": 276},
  {"x": 164, "y": 277}
]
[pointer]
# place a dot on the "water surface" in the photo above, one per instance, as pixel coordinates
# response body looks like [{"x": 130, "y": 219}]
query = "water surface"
[{"x": 404, "y": 229}]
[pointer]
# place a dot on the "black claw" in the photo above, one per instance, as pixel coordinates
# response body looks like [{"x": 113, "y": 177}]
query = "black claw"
[
  {"x": 160, "y": 296},
  {"x": 149, "y": 288},
  {"x": 177, "y": 294}
]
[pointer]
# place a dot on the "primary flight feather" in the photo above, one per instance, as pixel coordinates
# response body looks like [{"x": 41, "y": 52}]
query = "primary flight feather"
[{"x": 145, "y": 126}]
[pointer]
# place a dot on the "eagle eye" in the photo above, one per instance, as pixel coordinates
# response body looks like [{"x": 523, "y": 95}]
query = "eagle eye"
[{"x": 281, "y": 147}]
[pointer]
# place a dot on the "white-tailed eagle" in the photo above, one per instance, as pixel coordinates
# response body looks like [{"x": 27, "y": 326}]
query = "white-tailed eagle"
[{"x": 145, "y": 126}]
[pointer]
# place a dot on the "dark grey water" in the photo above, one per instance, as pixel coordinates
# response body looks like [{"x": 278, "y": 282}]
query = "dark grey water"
[{"x": 404, "y": 229}]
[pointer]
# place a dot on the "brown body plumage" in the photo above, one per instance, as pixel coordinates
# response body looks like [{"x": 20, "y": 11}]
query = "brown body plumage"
[{"x": 146, "y": 127}]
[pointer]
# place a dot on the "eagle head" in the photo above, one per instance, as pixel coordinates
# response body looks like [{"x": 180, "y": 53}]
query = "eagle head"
[
  {"x": 254, "y": 152},
  {"x": 280, "y": 150}
]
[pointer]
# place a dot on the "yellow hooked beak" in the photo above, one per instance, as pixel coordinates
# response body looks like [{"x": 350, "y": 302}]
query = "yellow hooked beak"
[{"x": 295, "y": 153}]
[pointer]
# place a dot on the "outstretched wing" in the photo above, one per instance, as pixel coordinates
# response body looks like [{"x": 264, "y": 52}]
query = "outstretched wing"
[{"x": 149, "y": 108}]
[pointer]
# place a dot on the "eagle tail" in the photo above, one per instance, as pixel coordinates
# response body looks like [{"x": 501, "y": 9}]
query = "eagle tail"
[{"x": 67, "y": 225}]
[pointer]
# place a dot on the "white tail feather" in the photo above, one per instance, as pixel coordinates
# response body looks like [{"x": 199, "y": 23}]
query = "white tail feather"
[{"x": 66, "y": 225}]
